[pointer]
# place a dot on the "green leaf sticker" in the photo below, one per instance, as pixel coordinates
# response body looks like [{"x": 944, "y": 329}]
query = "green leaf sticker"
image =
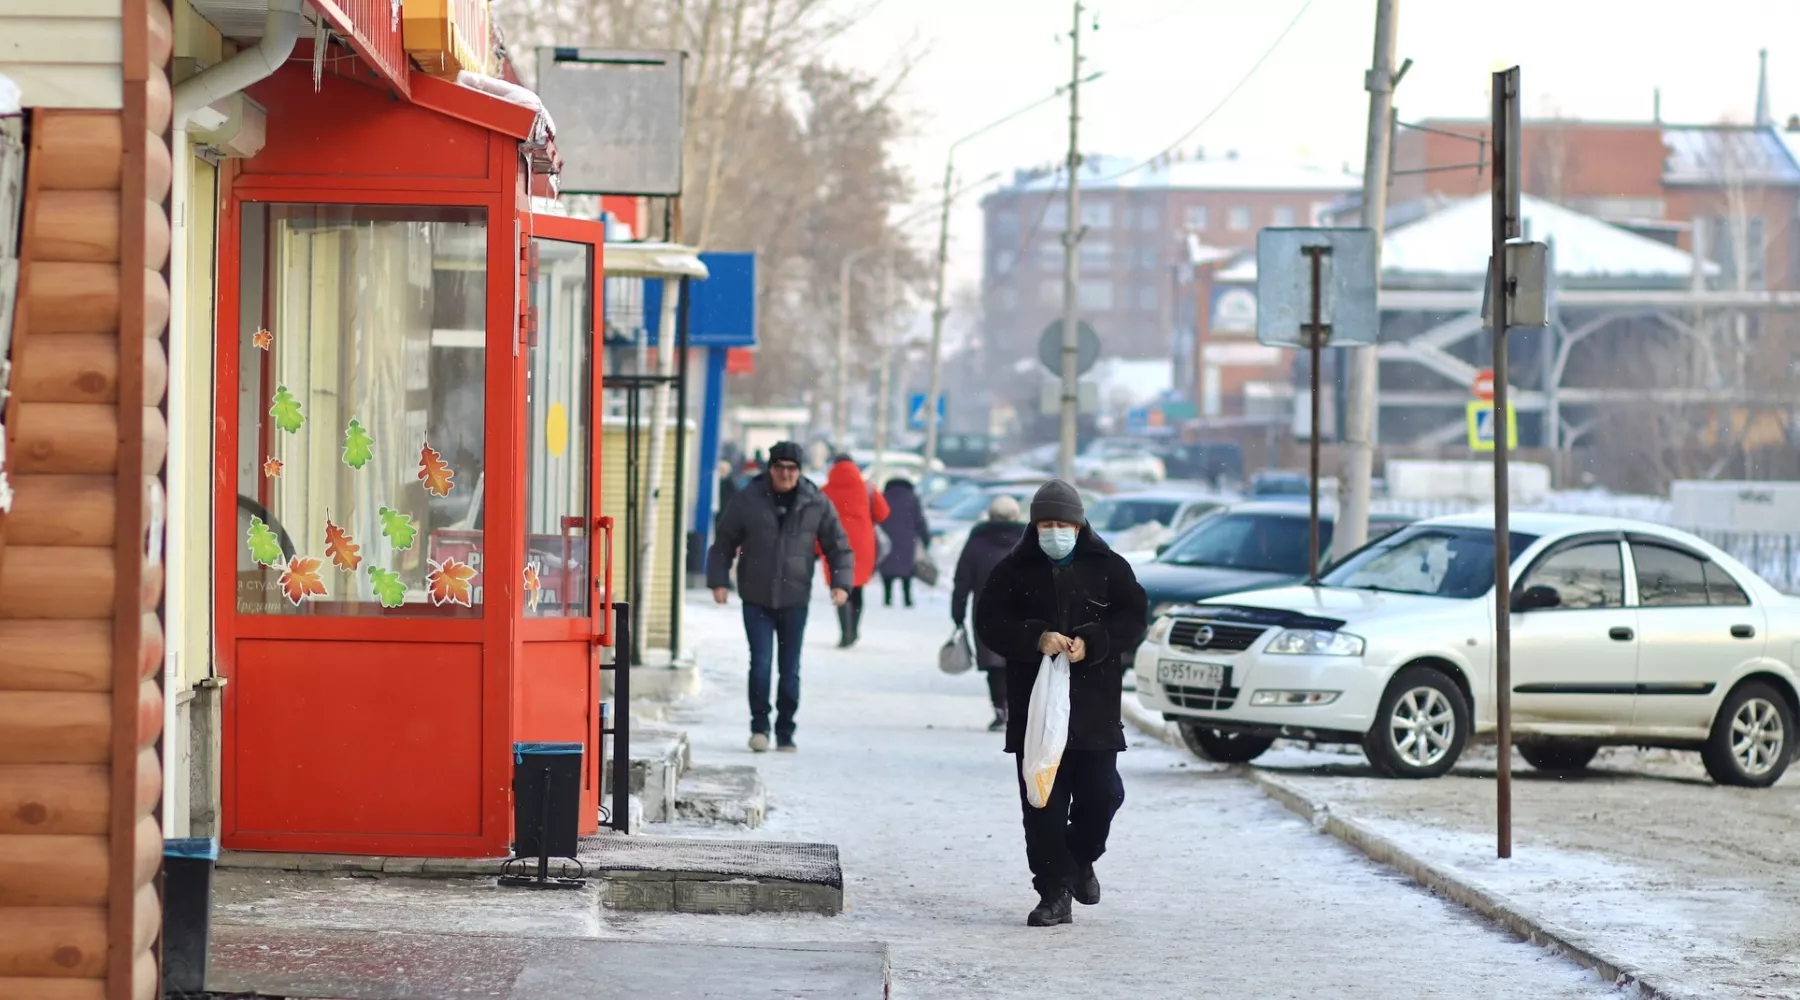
[
  {"x": 397, "y": 527},
  {"x": 388, "y": 586},
  {"x": 359, "y": 447},
  {"x": 286, "y": 411},
  {"x": 265, "y": 548}
]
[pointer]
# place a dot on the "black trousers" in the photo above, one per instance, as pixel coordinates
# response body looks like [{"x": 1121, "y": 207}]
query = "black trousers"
[
  {"x": 996, "y": 678},
  {"x": 850, "y": 617},
  {"x": 1070, "y": 831},
  {"x": 887, "y": 589}
]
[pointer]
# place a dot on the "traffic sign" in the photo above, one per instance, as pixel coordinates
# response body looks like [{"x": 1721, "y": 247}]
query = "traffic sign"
[
  {"x": 1137, "y": 418},
  {"x": 1481, "y": 426},
  {"x": 1087, "y": 348},
  {"x": 915, "y": 411},
  {"x": 1484, "y": 384}
]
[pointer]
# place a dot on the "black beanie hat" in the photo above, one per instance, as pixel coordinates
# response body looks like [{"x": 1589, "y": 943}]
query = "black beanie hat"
[
  {"x": 1057, "y": 501},
  {"x": 787, "y": 451}
]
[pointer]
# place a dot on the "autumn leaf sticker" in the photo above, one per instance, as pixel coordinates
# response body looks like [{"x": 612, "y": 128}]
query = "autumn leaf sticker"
[
  {"x": 286, "y": 411},
  {"x": 397, "y": 527},
  {"x": 451, "y": 582},
  {"x": 434, "y": 472},
  {"x": 272, "y": 468},
  {"x": 359, "y": 447},
  {"x": 389, "y": 588},
  {"x": 533, "y": 587},
  {"x": 263, "y": 339},
  {"x": 265, "y": 548},
  {"x": 344, "y": 552},
  {"x": 301, "y": 579}
]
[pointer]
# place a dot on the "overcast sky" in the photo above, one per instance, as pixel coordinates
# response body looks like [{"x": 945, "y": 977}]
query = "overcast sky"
[{"x": 1168, "y": 62}]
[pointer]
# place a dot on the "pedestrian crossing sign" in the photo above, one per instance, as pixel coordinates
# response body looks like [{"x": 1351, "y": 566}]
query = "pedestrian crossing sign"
[{"x": 1481, "y": 425}]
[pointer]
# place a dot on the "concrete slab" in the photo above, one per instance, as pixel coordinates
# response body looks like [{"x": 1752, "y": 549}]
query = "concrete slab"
[
  {"x": 658, "y": 759},
  {"x": 730, "y": 793}
]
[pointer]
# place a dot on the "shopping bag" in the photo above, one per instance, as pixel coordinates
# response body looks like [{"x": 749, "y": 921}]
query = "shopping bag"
[
  {"x": 1046, "y": 729},
  {"x": 956, "y": 657},
  {"x": 924, "y": 567}
]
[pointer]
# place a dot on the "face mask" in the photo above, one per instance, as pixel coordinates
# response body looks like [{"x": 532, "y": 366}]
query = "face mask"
[{"x": 1057, "y": 543}]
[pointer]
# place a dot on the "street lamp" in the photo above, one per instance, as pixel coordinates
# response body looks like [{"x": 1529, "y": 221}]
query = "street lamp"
[{"x": 938, "y": 311}]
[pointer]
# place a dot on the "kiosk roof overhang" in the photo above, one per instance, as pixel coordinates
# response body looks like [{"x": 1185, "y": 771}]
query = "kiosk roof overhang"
[{"x": 653, "y": 260}]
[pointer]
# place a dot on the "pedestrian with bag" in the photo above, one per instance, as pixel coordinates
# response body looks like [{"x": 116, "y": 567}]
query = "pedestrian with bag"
[
  {"x": 989, "y": 542},
  {"x": 771, "y": 530},
  {"x": 907, "y": 530},
  {"x": 1061, "y": 592},
  {"x": 859, "y": 509}
]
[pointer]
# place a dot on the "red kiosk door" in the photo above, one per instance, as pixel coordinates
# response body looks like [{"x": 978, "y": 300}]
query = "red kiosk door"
[{"x": 564, "y": 603}]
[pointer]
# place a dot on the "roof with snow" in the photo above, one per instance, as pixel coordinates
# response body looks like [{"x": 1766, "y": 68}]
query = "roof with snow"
[
  {"x": 1454, "y": 244},
  {"x": 1101, "y": 172},
  {"x": 1722, "y": 154}
]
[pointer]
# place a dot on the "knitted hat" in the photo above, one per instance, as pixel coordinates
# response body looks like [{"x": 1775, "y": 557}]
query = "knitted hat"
[
  {"x": 786, "y": 451},
  {"x": 1003, "y": 508},
  {"x": 1057, "y": 501}
]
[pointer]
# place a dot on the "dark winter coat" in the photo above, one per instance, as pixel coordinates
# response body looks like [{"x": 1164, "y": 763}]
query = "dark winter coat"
[
  {"x": 906, "y": 528},
  {"x": 774, "y": 553},
  {"x": 989, "y": 542},
  {"x": 1096, "y": 598}
]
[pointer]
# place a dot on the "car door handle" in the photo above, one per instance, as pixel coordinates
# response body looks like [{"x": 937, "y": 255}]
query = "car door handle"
[
  {"x": 1743, "y": 631},
  {"x": 1622, "y": 634}
]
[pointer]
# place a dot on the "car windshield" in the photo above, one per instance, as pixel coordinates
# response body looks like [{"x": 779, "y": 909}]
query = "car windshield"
[
  {"x": 955, "y": 495},
  {"x": 1122, "y": 514},
  {"x": 1273, "y": 543},
  {"x": 1427, "y": 560}
]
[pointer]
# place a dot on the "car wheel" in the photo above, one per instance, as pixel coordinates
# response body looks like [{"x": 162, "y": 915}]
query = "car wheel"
[
  {"x": 1223, "y": 746},
  {"x": 1421, "y": 726},
  {"x": 1557, "y": 756},
  {"x": 1752, "y": 737}
]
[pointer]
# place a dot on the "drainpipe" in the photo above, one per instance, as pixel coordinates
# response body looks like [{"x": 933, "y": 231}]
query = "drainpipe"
[{"x": 281, "y": 29}]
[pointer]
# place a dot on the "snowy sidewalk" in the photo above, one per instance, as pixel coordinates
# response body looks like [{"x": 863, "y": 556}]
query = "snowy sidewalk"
[{"x": 1211, "y": 889}]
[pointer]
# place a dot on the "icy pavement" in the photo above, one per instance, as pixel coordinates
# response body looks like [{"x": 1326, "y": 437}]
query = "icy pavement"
[
  {"x": 1211, "y": 889},
  {"x": 1643, "y": 858}
]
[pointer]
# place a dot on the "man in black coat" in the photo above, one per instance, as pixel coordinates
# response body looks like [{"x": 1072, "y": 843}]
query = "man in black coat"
[
  {"x": 989, "y": 542},
  {"x": 771, "y": 528},
  {"x": 1062, "y": 590}
]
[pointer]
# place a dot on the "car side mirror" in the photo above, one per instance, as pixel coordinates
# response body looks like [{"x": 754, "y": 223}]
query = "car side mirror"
[
  {"x": 1164, "y": 547},
  {"x": 1537, "y": 599}
]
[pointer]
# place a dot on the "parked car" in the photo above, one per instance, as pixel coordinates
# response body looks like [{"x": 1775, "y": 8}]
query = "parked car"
[
  {"x": 1622, "y": 633},
  {"x": 1126, "y": 520},
  {"x": 1243, "y": 547},
  {"x": 1118, "y": 466}
]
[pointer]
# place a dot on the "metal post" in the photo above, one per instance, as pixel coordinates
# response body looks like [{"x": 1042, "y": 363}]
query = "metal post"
[
  {"x": 938, "y": 312},
  {"x": 882, "y": 395},
  {"x": 840, "y": 417},
  {"x": 1505, "y": 106},
  {"x": 1363, "y": 386},
  {"x": 678, "y": 530},
  {"x": 1316, "y": 335},
  {"x": 1071, "y": 400},
  {"x": 623, "y": 642}
]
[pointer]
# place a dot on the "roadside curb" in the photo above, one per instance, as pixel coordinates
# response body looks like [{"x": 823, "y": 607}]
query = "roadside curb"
[
  {"x": 1146, "y": 721},
  {"x": 1516, "y": 919}
]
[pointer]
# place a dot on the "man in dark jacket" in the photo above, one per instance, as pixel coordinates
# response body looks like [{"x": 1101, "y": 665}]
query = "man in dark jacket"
[
  {"x": 1062, "y": 590},
  {"x": 989, "y": 542},
  {"x": 770, "y": 529}
]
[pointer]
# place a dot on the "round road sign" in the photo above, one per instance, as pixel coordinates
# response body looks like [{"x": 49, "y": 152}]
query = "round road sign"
[
  {"x": 1484, "y": 384},
  {"x": 1087, "y": 347}
]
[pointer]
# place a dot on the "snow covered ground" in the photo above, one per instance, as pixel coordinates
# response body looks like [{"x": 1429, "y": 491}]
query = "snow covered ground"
[{"x": 1211, "y": 889}]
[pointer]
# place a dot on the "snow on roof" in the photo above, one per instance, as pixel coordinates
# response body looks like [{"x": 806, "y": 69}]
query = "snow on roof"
[
  {"x": 1200, "y": 254},
  {"x": 1722, "y": 154},
  {"x": 1456, "y": 240},
  {"x": 1103, "y": 172}
]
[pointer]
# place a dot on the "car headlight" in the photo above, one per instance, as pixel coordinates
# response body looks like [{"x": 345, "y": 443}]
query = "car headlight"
[
  {"x": 1159, "y": 632},
  {"x": 1315, "y": 642}
]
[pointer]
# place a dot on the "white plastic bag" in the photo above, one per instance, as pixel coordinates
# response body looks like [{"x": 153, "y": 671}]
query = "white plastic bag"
[{"x": 1046, "y": 729}]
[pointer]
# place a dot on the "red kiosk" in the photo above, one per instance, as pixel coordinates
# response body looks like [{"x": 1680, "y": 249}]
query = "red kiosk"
[{"x": 412, "y": 571}]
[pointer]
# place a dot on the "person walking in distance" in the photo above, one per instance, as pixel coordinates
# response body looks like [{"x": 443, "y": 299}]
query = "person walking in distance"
[
  {"x": 989, "y": 542},
  {"x": 859, "y": 509},
  {"x": 1062, "y": 590},
  {"x": 907, "y": 530},
  {"x": 771, "y": 530}
]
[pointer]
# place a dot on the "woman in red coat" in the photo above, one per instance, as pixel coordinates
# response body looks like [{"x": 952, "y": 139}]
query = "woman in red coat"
[{"x": 859, "y": 509}]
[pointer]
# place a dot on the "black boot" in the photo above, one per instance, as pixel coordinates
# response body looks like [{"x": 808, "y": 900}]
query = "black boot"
[
  {"x": 1087, "y": 886},
  {"x": 999, "y": 723},
  {"x": 1053, "y": 908}
]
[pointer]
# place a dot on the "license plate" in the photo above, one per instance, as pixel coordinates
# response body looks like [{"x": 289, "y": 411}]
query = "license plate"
[{"x": 1203, "y": 675}]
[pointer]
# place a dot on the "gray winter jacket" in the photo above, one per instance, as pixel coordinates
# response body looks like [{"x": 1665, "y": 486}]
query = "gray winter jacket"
[{"x": 774, "y": 553}]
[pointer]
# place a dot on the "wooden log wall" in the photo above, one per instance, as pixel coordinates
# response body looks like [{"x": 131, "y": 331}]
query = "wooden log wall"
[{"x": 80, "y": 580}]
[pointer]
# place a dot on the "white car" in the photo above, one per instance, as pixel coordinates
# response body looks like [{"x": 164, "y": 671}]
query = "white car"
[
  {"x": 1122, "y": 467},
  {"x": 1623, "y": 633}
]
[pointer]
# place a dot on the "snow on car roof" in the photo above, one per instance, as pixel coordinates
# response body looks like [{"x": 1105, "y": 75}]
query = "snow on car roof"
[{"x": 1546, "y": 523}]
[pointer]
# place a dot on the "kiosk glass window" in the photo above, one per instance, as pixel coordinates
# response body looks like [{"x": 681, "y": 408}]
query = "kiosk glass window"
[
  {"x": 559, "y": 393},
  {"x": 361, "y": 393}
]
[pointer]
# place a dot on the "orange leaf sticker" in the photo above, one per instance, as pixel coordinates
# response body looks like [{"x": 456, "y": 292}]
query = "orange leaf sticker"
[
  {"x": 533, "y": 587},
  {"x": 434, "y": 472},
  {"x": 262, "y": 339},
  {"x": 345, "y": 553},
  {"x": 451, "y": 582},
  {"x": 272, "y": 468},
  {"x": 301, "y": 579}
]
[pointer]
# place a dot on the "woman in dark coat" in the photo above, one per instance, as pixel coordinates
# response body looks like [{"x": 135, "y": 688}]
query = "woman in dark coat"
[
  {"x": 989, "y": 542},
  {"x": 906, "y": 530},
  {"x": 1063, "y": 591}
]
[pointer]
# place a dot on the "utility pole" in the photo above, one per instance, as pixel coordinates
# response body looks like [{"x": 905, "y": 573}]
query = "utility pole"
[
  {"x": 841, "y": 411},
  {"x": 1364, "y": 389},
  {"x": 1071, "y": 400},
  {"x": 1506, "y": 225}
]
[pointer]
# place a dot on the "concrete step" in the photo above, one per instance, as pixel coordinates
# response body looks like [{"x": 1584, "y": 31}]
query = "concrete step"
[
  {"x": 715, "y": 876},
  {"x": 728, "y": 793},
  {"x": 659, "y": 757}
]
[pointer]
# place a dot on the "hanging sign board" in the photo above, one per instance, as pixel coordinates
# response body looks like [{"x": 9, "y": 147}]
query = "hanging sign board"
[{"x": 1284, "y": 288}]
